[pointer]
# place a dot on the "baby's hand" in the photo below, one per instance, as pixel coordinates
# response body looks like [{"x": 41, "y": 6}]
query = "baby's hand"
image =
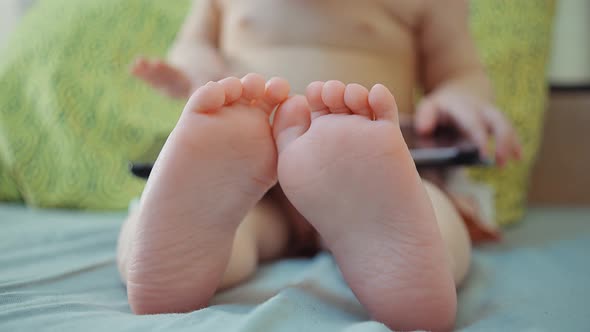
[
  {"x": 162, "y": 77},
  {"x": 475, "y": 118}
]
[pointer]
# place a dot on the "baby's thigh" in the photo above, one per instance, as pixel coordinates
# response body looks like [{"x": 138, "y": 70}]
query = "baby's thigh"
[
  {"x": 268, "y": 225},
  {"x": 262, "y": 235},
  {"x": 452, "y": 229}
]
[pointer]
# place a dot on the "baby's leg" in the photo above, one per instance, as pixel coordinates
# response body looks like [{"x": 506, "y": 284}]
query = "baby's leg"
[
  {"x": 218, "y": 162},
  {"x": 452, "y": 230},
  {"x": 347, "y": 169}
]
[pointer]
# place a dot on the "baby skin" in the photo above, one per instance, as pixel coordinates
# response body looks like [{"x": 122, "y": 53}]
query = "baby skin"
[
  {"x": 195, "y": 235},
  {"x": 334, "y": 148}
]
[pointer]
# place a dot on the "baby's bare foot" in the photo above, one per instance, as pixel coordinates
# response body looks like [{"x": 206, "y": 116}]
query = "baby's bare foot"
[
  {"x": 347, "y": 169},
  {"x": 162, "y": 77},
  {"x": 216, "y": 165}
]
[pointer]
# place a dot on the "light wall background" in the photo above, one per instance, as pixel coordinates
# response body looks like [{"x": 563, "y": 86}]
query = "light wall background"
[
  {"x": 570, "y": 63},
  {"x": 10, "y": 13}
]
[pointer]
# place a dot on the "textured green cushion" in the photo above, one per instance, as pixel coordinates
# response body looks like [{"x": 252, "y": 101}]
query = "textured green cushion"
[
  {"x": 514, "y": 42},
  {"x": 71, "y": 116}
]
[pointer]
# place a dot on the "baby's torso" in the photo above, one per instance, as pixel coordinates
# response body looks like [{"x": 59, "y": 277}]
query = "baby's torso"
[{"x": 362, "y": 41}]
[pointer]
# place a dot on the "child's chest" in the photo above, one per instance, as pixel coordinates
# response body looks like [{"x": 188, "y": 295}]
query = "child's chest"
[{"x": 377, "y": 25}]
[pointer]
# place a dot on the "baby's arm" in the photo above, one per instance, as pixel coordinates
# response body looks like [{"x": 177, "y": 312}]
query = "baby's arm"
[
  {"x": 449, "y": 56},
  {"x": 193, "y": 59},
  {"x": 195, "y": 50},
  {"x": 456, "y": 85}
]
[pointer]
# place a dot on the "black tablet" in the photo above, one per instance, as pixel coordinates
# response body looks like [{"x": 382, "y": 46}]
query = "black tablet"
[{"x": 445, "y": 148}]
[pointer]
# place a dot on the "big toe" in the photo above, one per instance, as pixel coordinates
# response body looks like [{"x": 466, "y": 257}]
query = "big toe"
[
  {"x": 292, "y": 120},
  {"x": 208, "y": 98},
  {"x": 383, "y": 103},
  {"x": 276, "y": 91}
]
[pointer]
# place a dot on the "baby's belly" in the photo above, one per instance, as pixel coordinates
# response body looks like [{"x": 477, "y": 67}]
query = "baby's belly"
[{"x": 302, "y": 65}]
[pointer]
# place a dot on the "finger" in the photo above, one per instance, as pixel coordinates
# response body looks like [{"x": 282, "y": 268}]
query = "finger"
[
  {"x": 149, "y": 63},
  {"x": 426, "y": 117},
  {"x": 471, "y": 123},
  {"x": 516, "y": 147},
  {"x": 140, "y": 66},
  {"x": 502, "y": 132},
  {"x": 150, "y": 71}
]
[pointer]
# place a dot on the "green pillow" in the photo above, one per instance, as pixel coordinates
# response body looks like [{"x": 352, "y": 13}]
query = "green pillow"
[
  {"x": 514, "y": 42},
  {"x": 71, "y": 116}
]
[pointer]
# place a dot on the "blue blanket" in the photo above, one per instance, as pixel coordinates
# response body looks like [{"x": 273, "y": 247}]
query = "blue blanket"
[{"x": 57, "y": 272}]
